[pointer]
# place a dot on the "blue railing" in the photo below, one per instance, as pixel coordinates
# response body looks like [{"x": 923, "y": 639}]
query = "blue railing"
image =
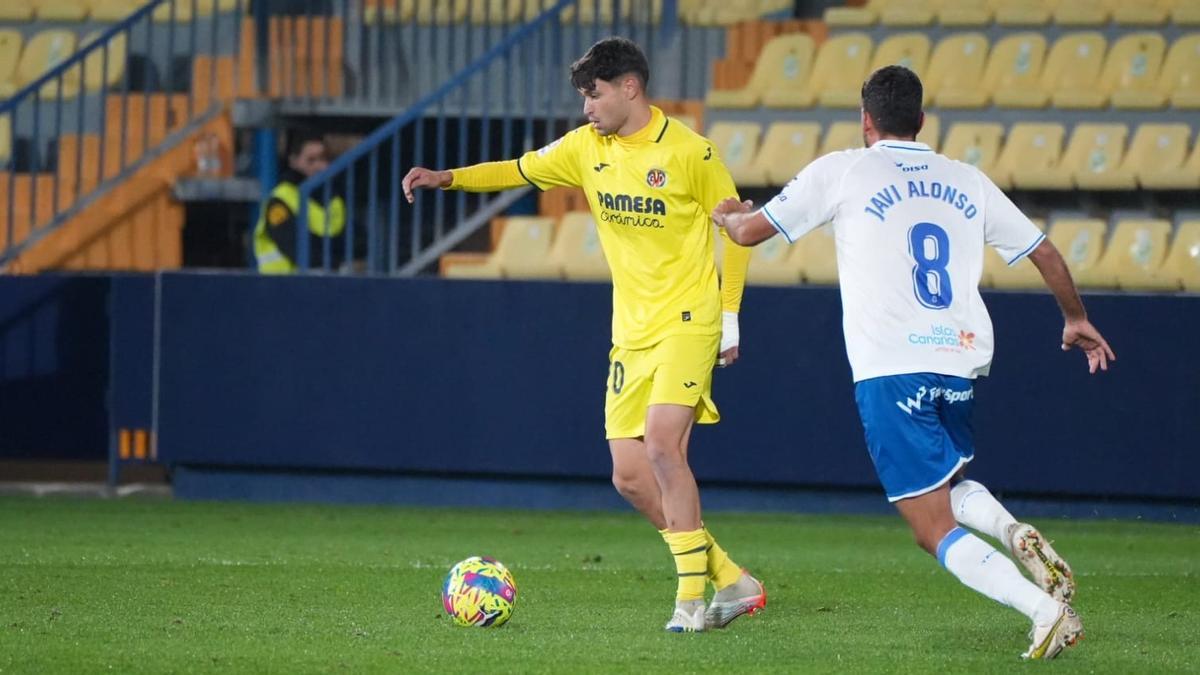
[
  {"x": 137, "y": 59},
  {"x": 513, "y": 97}
]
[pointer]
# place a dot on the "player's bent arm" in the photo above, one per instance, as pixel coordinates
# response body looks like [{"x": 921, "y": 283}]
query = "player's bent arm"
[
  {"x": 1058, "y": 279},
  {"x": 746, "y": 229}
]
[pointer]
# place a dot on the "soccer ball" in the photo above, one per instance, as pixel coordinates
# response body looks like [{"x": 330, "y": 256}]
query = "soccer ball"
[{"x": 479, "y": 592}]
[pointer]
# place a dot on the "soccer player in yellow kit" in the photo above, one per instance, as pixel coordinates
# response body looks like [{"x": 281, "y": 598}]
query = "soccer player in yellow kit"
[{"x": 651, "y": 183}]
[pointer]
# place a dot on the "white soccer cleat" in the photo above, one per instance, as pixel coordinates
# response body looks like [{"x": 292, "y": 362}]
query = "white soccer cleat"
[
  {"x": 744, "y": 596},
  {"x": 1049, "y": 640},
  {"x": 1049, "y": 570},
  {"x": 688, "y": 617}
]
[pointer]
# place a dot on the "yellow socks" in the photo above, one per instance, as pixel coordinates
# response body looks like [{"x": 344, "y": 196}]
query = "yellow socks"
[
  {"x": 691, "y": 562},
  {"x": 721, "y": 569}
]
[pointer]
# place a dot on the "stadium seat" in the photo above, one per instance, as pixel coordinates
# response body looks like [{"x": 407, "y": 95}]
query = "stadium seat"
[
  {"x": 10, "y": 56},
  {"x": 1022, "y": 12},
  {"x": 956, "y": 71},
  {"x": 1131, "y": 71},
  {"x": 1186, "y": 13},
  {"x": 1094, "y": 157},
  {"x": 737, "y": 142},
  {"x": 910, "y": 50},
  {"x": 1073, "y": 70},
  {"x": 1080, "y": 13},
  {"x": 604, "y": 10},
  {"x": 841, "y": 136},
  {"x": 787, "y": 148},
  {"x": 931, "y": 132},
  {"x": 997, "y": 273},
  {"x": 1140, "y": 12},
  {"x": 774, "y": 263},
  {"x": 1162, "y": 162},
  {"x": 94, "y": 78},
  {"x": 1183, "y": 260},
  {"x": 577, "y": 248},
  {"x": 965, "y": 13},
  {"x": 1081, "y": 242},
  {"x": 16, "y": 10},
  {"x": 113, "y": 10},
  {"x": 899, "y": 13},
  {"x": 522, "y": 250},
  {"x": 975, "y": 144},
  {"x": 44, "y": 51},
  {"x": 1029, "y": 149},
  {"x": 1014, "y": 70},
  {"x": 1180, "y": 79},
  {"x": 816, "y": 253},
  {"x": 62, "y": 10},
  {"x": 854, "y": 17},
  {"x": 1134, "y": 255},
  {"x": 839, "y": 71},
  {"x": 782, "y": 70}
]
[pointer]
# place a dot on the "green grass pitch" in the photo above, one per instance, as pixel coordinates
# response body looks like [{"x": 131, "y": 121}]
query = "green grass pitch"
[{"x": 159, "y": 586}]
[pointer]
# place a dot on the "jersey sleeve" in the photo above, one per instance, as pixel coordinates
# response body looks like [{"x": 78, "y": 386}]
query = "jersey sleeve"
[
  {"x": 808, "y": 200},
  {"x": 1005, "y": 228},
  {"x": 712, "y": 184},
  {"x": 556, "y": 164}
]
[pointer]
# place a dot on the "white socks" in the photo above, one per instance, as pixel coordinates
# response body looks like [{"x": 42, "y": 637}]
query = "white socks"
[
  {"x": 985, "y": 570},
  {"x": 976, "y": 508}
]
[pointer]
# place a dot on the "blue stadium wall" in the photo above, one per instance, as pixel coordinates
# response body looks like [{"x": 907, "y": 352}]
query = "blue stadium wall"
[{"x": 365, "y": 388}]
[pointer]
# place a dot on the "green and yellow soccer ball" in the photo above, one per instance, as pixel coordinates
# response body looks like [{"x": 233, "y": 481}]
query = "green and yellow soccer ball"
[{"x": 479, "y": 592}]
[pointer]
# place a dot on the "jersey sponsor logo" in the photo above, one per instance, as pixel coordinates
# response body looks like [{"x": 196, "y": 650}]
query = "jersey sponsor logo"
[
  {"x": 944, "y": 339},
  {"x": 656, "y": 178},
  {"x": 950, "y": 396},
  {"x": 909, "y": 168},
  {"x": 638, "y": 211}
]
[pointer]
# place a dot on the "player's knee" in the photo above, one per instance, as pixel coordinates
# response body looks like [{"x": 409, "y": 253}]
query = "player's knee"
[
  {"x": 662, "y": 453},
  {"x": 628, "y": 485}
]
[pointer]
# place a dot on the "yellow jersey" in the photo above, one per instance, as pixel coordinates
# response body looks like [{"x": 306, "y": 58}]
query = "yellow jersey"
[{"x": 652, "y": 194}]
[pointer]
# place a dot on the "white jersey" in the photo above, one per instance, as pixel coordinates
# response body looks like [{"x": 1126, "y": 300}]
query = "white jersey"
[{"x": 910, "y": 227}]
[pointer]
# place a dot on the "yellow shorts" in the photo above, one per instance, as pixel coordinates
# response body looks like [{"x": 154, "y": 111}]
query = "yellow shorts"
[{"x": 677, "y": 370}]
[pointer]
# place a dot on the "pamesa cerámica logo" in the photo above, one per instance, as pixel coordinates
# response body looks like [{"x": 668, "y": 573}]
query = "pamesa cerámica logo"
[{"x": 944, "y": 337}]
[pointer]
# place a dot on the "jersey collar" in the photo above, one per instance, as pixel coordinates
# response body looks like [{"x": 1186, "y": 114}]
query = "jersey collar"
[
  {"x": 651, "y": 133},
  {"x": 891, "y": 144}
]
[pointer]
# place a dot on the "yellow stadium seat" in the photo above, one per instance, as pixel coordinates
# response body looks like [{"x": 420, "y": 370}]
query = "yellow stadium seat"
[
  {"x": 839, "y": 72},
  {"x": 931, "y": 132},
  {"x": 16, "y": 10},
  {"x": 841, "y": 136},
  {"x": 854, "y": 17},
  {"x": 956, "y": 72},
  {"x": 816, "y": 252},
  {"x": 10, "y": 56},
  {"x": 1186, "y": 13},
  {"x": 1160, "y": 151},
  {"x": 588, "y": 13},
  {"x": 113, "y": 10},
  {"x": 94, "y": 64},
  {"x": 1094, "y": 157},
  {"x": 1081, "y": 243},
  {"x": 782, "y": 69},
  {"x": 44, "y": 51},
  {"x": 1140, "y": 12},
  {"x": 974, "y": 144},
  {"x": 1183, "y": 260},
  {"x": 577, "y": 248},
  {"x": 1032, "y": 150},
  {"x": 1134, "y": 255},
  {"x": 1022, "y": 12},
  {"x": 908, "y": 12},
  {"x": 786, "y": 149},
  {"x": 521, "y": 252},
  {"x": 1080, "y": 13},
  {"x": 1073, "y": 70},
  {"x": 964, "y": 13},
  {"x": 910, "y": 50},
  {"x": 997, "y": 273},
  {"x": 1131, "y": 71},
  {"x": 737, "y": 142},
  {"x": 774, "y": 263},
  {"x": 62, "y": 10},
  {"x": 1180, "y": 79},
  {"x": 1014, "y": 70}
]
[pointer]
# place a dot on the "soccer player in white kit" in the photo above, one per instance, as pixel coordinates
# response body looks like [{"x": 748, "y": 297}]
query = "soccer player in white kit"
[{"x": 910, "y": 227}]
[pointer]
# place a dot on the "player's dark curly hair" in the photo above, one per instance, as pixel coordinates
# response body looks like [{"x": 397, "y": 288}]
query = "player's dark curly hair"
[
  {"x": 607, "y": 60},
  {"x": 892, "y": 96}
]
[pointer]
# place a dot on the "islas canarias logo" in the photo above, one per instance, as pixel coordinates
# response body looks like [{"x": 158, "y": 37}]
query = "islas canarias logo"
[{"x": 944, "y": 338}]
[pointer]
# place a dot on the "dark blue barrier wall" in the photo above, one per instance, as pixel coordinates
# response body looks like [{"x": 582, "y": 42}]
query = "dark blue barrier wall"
[{"x": 508, "y": 378}]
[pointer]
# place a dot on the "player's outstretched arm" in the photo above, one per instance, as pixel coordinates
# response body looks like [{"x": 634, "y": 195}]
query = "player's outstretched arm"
[
  {"x": 1077, "y": 330},
  {"x": 743, "y": 227},
  {"x": 420, "y": 177}
]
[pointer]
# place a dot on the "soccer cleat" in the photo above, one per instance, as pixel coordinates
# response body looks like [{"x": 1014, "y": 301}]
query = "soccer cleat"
[
  {"x": 688, "y": 617},
  {"x": 1048, "y": 568},
  {"x": 1052, "y": 638},
  {"x": 744, "y": 596}
]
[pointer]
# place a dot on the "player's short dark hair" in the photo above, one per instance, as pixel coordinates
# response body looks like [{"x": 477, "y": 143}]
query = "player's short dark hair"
[
  {"x": 300, "y": 138},
  {"x": 892, "y": 97},
  {"x": 607, "y": 60}
]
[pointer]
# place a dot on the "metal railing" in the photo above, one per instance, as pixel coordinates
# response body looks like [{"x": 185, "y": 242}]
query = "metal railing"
[
  {"x": 512, "y": 98},
  {"x": 120, "y": 100}
]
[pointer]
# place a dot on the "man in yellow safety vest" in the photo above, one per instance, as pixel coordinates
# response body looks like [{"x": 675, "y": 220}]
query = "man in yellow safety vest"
[{"x": 275, "y": 235}]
